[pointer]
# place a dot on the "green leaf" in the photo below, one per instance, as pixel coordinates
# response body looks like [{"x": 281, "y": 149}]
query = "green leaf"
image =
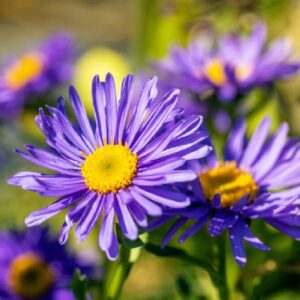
[
  {"x": 182, "y": 255},
  {"x": 132, "y": 244},
  {"x": 126, "y": 242},
  {"x": 79, "y": 285},
  {"x": 184, "y": 287},
  {"x": 188, "y": 285}
]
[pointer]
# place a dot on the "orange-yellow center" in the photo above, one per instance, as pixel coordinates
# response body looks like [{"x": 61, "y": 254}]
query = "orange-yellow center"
[
  {"x": 214, "y": 71},
  {"x": 29, "y": 276},
  {"x": 24, "y": 71},
  {"x": 229, "y": 181},
  {"x": 109, "y": 168}
]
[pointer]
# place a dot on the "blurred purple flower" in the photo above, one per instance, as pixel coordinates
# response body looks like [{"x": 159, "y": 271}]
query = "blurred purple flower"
[
  {"x": 36, "y": 72},
  {"x": 253, "y": 64},
  {"x": 255, "y": 180},
  {"x": 236, "y": 65},
  {"x": 118, "y": 169},
  {"x": 34, "y": 266}
]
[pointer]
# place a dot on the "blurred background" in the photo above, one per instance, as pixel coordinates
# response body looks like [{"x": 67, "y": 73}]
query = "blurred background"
[{"x": 125, "y": 36}]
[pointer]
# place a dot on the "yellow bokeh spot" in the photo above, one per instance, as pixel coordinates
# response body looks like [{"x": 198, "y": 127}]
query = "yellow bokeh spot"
[
  {"x": 24, "y": 71},
  {"x": 229, "y": 181},
  {"x": 214, "y": 71},
  {"x": 29, "y": 276},
  {"x": 98, "y": 61},
  {"x": 109, "y": 168}
]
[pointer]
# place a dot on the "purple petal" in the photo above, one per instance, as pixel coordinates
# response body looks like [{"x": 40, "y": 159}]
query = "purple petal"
[
  {"x": 111, "y": 105},
  {"x": 220, "y": 221},
  {"x": 138, "y": 214},
  {"x": 156, "y": 119},
  {"x": 89, "y": 218},
  {"x": 292, "y": 231},
  {"x": 237, "y": 244},
  {"x": 256, "y": 142},
  {"x": 126, "y": 221},
  {"x": 160, "y": 167},
  {"x": 68, "y": 130},
  {"x": 113, "y": 251},
  {"x": 236, "y": 141},
  {"x": 271, "y": 154},
  {"x": 124, "y": 106},
  {"x": 148, "y": 94},
  {"x": 172, "y": 231},
  {"x": 99, "y": 110},
  {"x": 107, "y": 230},
  {"x": 81, "y": 116},
  {"x": 194, "y": 228},
  {"x": 164, "y": 197},
  {"x": 41, "y": 215},
  {"x": 148, "y": 206},
  {"x": 253, "y": 240}
]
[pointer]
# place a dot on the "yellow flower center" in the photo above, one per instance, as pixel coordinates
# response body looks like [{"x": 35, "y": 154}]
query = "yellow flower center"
[
  {"x": 109, "y": 169},
  {"x": 214, "y": 71},
  {"x": 229, "y": 181},
  {"x": 24, "y": 70},
  {"x": 243, "y": 71},
  {"x": 29, "y": 276}
]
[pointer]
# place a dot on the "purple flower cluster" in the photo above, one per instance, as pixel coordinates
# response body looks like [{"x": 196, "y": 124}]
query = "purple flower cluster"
[
  {"x": 34, "y": 266},
  {"x": 141, "y": 158},
  {"x": 36, "y": 72},
  {"x": 119, "y": 167},
  {"x": 133, "y": 163}
]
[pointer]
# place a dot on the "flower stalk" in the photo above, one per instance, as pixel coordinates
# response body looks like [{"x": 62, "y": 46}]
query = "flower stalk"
[{"x": 223, "y": 286}]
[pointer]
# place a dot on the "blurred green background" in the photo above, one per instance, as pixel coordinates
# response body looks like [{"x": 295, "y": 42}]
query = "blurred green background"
[{"x": 122, "y": 36}]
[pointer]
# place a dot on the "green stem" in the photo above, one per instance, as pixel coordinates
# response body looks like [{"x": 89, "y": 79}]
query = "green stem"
[
  {"x": 223, "y": 286},
  {"x": 116, "y": 275}
]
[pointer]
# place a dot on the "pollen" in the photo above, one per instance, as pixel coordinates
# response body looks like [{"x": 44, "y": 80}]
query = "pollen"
[
  {"x": 109, "y": 168},
  {"x": 29, "y": 276},
  {"x": 229, "y": 181},
  {"x": 214, "y": 71},
  {"x": 24, "y": 71}
]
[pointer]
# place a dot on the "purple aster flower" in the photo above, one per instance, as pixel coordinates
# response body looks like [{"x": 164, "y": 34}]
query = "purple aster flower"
[
  {"x": 34, "y": 266},
  {"x": 198, "y": 69},
  {"x": 252, "y": 63},
  {"x": 117, "y": 169},
  {"x": 233, "y": 66},
  {"x": 255, "y": 180},
  {"x": 35, "y": 72}
]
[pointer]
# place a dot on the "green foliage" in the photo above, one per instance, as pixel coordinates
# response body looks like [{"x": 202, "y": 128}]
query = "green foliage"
[{"x": 79, "y": 285}]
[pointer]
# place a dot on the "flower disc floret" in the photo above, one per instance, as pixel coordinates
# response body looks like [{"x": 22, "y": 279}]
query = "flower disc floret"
[
  {"x": 109, "y": 169},
  {"x": 214, "y": 70},
  {"x": 30, "y": 277},
  {"x": 229, "y": 181},
  {"x": 24, "y": 70}
]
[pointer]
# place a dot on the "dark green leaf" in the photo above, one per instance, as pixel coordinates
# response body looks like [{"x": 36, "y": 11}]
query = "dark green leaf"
[
  {"x": 126, "y": 242},
  {"x": 79, "y": 285},
  {"x": 183, "y": 287},
  {"x": 182, "y": 255}
]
